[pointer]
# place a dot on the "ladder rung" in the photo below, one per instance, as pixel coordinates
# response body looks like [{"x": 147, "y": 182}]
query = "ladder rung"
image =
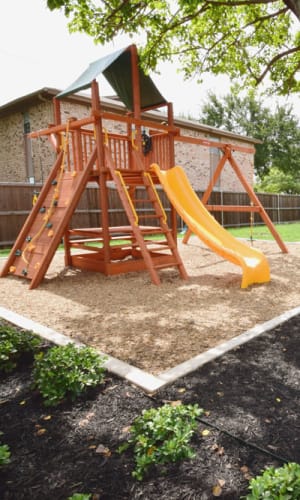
[
  {"x": 87, "y": 240},
  {"x": 149, "y": 216},
  {"x": 155, "y": 242},
  {"x": 156, "y": 230},
  {"x": 139, "y": 200},
  {"x": 159, "y": 249}
]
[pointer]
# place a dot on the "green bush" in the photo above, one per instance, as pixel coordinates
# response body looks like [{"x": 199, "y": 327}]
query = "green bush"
[
  {"x": 4, "y": 454},
  {"x": 67, "y": 371},
  {"x": 162, "y": 435},
  {"x": 276, "y": 484},
  {"x": 80, "y": 496},
  {"x": 13, "y": 344}
]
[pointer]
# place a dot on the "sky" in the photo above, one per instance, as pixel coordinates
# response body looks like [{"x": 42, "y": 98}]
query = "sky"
[{"x": 37, "y": 50}]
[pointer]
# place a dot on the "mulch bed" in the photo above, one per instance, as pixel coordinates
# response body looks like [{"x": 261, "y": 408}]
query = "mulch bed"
[{"x": 252, "y": 403}]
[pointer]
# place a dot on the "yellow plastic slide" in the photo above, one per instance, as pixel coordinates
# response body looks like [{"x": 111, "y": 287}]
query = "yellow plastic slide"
[{"x": 254, "y": 264}]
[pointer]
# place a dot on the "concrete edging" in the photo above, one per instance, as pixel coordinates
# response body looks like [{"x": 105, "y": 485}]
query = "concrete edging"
[{"x": 146, "y": 381}]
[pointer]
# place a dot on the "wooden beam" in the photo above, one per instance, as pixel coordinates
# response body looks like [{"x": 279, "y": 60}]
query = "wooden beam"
[
  {"x": 232, "y": 208},
  {"x": 214, "y": 144}
]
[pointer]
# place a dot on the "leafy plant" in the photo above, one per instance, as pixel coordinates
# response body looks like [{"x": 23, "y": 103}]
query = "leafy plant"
[
  {"x": 14, "y": 343},
  {"x": 80, "y": 496},
  {"x": 4, "y": 454},
  {"x": 67, "y": 371},
  {"x": 162, "y": 435},
  {"x": 276, "y": 484}
]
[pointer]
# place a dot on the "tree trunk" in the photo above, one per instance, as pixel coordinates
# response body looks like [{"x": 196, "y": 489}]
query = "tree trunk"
[{"x": 294, "y": 5}]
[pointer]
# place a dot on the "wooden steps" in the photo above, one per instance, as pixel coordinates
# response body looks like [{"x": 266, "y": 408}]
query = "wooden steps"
[{"x": 125, "y": 183}]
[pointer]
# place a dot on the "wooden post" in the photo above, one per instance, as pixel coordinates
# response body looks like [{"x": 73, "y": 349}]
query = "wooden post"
[
  {"x": 172, "y": 164},
  {"x": 136, "y": 97},
  {"x": 57, "y": 111},
  {"x": 103, "y": 202},
  {"x": 256, "y": 202}
]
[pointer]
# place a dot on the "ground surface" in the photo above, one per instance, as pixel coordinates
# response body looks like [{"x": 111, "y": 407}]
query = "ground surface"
[
  {"x": 155, "y": 328},
  {"x": 252, "y": 403}
]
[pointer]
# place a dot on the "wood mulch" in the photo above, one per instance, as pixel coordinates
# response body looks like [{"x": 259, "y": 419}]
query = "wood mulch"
[
  {"x": 252, "y": 401},
  {"x": 158, "y": 327}
]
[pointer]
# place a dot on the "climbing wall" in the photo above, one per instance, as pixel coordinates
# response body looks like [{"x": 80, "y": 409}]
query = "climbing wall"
[{"x": 47, "y": 222}]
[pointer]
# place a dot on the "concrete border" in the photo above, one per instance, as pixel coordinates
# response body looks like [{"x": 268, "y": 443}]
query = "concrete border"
[{"x": 151, "y": 383}]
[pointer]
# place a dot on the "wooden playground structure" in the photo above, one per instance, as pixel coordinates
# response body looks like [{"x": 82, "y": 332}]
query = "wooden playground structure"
[{"x": 88, "y": 152}]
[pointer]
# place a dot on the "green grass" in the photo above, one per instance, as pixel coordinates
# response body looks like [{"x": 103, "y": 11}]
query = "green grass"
[
  {"x": 4, "y": 252},
  {"x": 288, "y": 232}
]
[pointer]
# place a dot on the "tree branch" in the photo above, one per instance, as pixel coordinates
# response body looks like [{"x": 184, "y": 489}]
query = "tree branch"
[
  {"x": 274, "y": 60},
  {"x": 237, "y": 3},
  {"x": 294, "y": 6}
]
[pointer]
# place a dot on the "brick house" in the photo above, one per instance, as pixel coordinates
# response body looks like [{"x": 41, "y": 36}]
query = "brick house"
[{"x": 26, "y": 160}]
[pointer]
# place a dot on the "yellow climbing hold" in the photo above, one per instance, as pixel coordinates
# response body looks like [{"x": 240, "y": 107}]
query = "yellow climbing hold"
[
  {"x": 50, "y": 233},
  {"x": 12, "y": 269}
]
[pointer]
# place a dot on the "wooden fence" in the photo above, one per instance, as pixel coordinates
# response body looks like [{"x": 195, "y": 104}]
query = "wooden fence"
[{"x": 16, "y": 202}]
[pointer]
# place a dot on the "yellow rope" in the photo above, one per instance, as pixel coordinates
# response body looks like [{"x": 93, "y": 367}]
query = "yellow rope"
[
  {"x": 136, "y": 219},
  {"x": 251, "y": 224},
  {"x": 133, "y": 134},
  {"x": 106, "y": 142},
  {"x": 146, "y": 174}
]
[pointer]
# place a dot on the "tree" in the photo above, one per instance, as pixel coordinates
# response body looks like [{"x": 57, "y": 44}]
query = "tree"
[
  {"x": 279, "y": 130},
  {"x": 247, "y": 40},
  {"x": 277, "y": 181}
]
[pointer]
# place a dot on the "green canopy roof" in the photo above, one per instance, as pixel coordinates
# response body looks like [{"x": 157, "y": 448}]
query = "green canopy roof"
[{"x": 116, "y": 68}]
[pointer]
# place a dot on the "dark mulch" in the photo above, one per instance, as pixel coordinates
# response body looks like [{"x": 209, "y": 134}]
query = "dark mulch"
[{"x": 252, "y": 403}]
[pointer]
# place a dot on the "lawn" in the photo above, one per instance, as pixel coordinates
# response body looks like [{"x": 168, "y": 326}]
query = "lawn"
[{"x": 288, "y": 232}]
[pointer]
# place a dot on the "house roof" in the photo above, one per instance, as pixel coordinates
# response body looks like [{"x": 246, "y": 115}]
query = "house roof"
[{"x": 46, "y": 94}]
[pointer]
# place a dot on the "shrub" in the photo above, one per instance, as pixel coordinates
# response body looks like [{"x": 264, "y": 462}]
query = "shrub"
[
  {"x": 4, "y": 454},
  {"x": 80, "y": 496},
  {"x": 162, "y": 435},
  {"x": 276, "y": 484},
  {"x": 14, "y": 343},
  {"x": 67, "y": 371}
]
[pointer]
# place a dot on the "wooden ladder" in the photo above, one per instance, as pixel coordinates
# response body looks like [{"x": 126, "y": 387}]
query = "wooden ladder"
[{"x": 151, "y": 251}]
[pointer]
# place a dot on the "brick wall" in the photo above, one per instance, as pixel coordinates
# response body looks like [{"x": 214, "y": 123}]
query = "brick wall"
[
  {"x": 195, "y": 159},
  {"x": 13, "y": 148},
  {"x": 12, "y": 164}
]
